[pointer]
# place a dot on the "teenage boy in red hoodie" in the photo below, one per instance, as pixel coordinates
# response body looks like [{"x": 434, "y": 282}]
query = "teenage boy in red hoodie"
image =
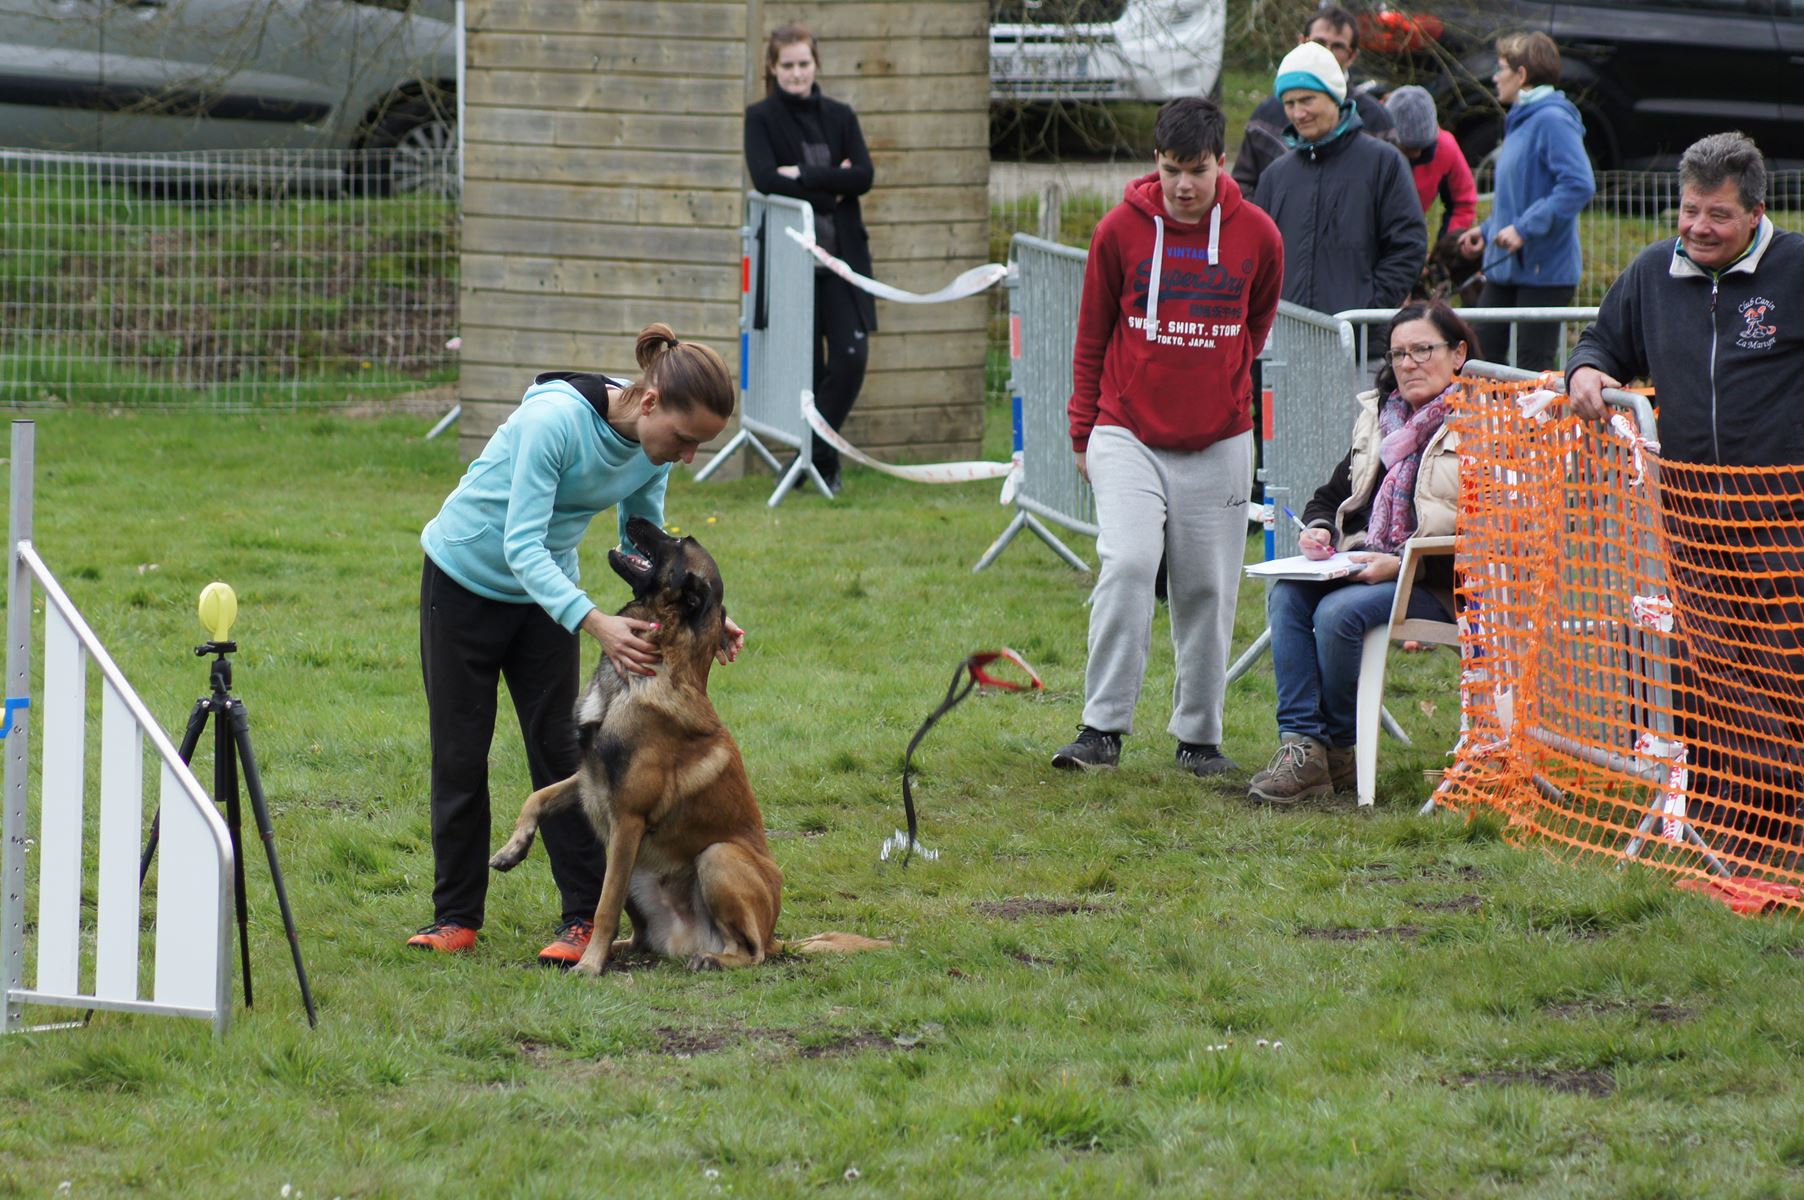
[{"x": 1160, "y": 421}]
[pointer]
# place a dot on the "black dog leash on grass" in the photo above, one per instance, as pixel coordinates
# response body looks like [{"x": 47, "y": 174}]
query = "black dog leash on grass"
[{"x": 957, "y": 690}]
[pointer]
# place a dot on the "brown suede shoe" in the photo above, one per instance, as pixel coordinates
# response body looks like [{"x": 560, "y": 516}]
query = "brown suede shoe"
[
  {"x": 1343, "y": 769},
  {"x": 1297, "y": 772}
]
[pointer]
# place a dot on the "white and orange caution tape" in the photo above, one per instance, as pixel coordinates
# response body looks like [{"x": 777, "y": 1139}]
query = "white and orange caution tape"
[
  {"x": 951, "y": 472},
  {"x": 977, "y": 279},
  {"x": 1678, "y": 776}
]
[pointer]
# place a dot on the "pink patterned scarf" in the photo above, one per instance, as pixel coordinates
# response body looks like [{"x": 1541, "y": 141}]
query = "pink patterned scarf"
[{"x": 1405, "y": 433}]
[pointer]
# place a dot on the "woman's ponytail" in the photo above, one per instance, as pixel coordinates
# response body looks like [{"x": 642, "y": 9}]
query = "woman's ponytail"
[
  {"x": 685, "y": 374},
  {"x": 654, "y": 340}
]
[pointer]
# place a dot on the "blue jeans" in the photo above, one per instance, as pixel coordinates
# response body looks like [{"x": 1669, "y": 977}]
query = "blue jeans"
[{"x": 1318, "y": 635}]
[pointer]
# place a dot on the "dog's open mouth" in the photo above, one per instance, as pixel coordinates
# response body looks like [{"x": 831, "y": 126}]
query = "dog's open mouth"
[{"x": 634, "y": 567}]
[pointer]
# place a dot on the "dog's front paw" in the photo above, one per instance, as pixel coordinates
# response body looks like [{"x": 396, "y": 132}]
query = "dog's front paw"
[
  {"x": 589, "y": 964},
  {"x": 704, "y": 962},
  {"x": 509, "y": 856}
]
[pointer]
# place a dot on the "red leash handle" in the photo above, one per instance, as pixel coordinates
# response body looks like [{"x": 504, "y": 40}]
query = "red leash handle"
[{"x": 959, "y": 688}]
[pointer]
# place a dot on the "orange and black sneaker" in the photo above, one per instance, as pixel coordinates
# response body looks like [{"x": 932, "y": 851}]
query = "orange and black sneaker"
[
  {"x": 448, "y": 937},
  {"x": 571, "y": 939}
]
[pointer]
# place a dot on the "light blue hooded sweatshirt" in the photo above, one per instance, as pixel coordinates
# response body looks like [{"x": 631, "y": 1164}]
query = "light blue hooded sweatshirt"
[{"x": 510, "y": 529}]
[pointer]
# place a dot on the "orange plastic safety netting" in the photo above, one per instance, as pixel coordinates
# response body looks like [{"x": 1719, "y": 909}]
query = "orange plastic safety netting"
[{"x": 1632, "y": 639}]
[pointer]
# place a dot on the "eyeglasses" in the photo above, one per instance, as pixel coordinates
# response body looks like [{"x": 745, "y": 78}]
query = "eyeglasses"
[{"x": 1417, "y": 354}]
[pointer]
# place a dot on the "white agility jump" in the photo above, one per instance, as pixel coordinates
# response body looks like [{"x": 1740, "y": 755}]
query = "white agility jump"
[{"x": 191, "y": 967}]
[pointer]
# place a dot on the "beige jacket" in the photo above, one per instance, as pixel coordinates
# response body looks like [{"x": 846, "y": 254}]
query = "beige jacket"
[{"x": 1437, "y": 480}]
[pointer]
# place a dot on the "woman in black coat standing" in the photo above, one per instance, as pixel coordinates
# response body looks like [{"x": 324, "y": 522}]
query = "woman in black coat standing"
[{"x": 800, "y": 143}]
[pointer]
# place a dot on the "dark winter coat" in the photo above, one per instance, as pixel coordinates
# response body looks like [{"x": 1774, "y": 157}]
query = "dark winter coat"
[
  {"x": 1353, "y": 231},
  {"x": 1724, "y": 349},
  {"x": 774, "y": 135}
]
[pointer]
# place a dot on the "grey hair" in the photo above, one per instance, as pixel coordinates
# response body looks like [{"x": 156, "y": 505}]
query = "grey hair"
[{"x": 1733, "y": 155}]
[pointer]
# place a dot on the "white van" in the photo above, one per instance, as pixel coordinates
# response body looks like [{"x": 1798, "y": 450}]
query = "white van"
[{"x": 1049, "y": 50}]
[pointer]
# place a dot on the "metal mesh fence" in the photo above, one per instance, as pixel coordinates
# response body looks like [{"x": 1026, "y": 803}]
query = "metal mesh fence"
[{"x": 224, "y": 280}]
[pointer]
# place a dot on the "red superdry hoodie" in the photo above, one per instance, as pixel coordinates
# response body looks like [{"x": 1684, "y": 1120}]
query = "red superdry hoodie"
[{"x": 1177, "y": 377}]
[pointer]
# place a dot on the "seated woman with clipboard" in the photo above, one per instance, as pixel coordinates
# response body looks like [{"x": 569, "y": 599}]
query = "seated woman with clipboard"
[{"x": 1399, "y": 480}]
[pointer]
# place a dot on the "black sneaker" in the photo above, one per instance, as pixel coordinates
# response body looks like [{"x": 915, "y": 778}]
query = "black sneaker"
[
  {"x": 1093, "y": 748},
  {"x": 1205, "y": 760}
]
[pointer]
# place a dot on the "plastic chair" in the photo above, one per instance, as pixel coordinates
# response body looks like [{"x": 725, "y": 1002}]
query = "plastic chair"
[{"x": 1377, "y": 649}]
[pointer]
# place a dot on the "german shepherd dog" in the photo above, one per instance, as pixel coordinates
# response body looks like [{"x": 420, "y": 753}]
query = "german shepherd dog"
[
  {"x": 1448, "y": 274},
  {"x": 662, "y": 782}
]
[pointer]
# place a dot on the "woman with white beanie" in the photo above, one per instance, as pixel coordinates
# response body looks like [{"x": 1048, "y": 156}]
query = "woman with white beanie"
[{"x": 1343, "y": 200}]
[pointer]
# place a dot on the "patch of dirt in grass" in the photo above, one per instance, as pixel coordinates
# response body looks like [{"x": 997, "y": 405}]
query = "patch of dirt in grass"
[
  {"x": 687, "y": 1043},
  {"x": 628, "y": 963},
  {"x": 1470, "y": 902},
  {"x": 1653, "y": 1012},
  {"x": 784, "y": 834},
  {"x": 1032, "y": 960},
  {"x": 534, "y": 1053},
  {"x": 849, "y": 1043},
  {"x": 1017, "y": 907},
  {"x": 1324, "y": 934},
  {"x": 1598, "y": 1084}
]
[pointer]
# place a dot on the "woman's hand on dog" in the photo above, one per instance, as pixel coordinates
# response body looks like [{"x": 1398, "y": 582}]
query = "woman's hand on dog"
[
  {"x": 734, "y": 643},
  {"x": 620, "y": 641}
]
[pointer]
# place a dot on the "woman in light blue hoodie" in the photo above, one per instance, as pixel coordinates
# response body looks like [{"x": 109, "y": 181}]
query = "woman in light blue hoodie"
[
  {"x": 1530, "y": 242},
  {"x": 499, "y": 601}
]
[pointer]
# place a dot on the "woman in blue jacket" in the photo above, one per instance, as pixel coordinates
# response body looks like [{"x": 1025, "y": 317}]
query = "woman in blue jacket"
[
  {"x": 499, "y": 601},
  {"x": 1530, "y": 242}
]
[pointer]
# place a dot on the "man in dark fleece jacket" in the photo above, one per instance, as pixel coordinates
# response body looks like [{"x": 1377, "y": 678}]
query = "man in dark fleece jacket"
[
  {"x": 1180, "y": 289},
  {"x": 1713, "y": 319},
  {"x": 1345, "y": 202}
]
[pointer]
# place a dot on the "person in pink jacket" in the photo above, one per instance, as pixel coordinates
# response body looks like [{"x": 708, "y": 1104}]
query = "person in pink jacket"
[{"x": 1434, "y": 158}]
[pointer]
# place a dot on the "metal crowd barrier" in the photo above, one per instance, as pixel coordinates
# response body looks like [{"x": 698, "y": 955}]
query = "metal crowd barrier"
[
  {"x": 193, "y": 902},
  {"x": 1311, "y": 373},
  {"x": 1365, "y": 319},
  {"x": 776, "y": 341},
  {"x": 1046, "y": 284}
]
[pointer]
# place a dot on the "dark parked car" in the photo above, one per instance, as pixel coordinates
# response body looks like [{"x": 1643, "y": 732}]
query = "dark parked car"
[
  {"x": 1650, "y": 76},
  {"x": 162, "y": 76}
]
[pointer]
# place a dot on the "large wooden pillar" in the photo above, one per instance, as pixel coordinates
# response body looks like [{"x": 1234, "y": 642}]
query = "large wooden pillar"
[{"x": 604, "y": 175}]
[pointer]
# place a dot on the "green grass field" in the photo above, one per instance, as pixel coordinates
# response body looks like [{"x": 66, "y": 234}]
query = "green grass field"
[{"x": 1090, "y": 983}]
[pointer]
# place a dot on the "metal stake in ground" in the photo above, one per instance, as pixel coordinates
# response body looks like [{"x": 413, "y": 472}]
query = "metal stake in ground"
[{"x": 232, "y": 750}]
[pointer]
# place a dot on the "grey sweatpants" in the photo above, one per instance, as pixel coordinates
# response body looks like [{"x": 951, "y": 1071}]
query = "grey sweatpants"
[{"x": 1190, "y": 506}]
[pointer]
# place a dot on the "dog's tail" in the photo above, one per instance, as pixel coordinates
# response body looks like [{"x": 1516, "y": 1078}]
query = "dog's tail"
[{"x": 832, "y": 943}]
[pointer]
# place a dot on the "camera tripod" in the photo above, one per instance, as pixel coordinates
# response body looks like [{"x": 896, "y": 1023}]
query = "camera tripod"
[{"x": 231, "y": 749}]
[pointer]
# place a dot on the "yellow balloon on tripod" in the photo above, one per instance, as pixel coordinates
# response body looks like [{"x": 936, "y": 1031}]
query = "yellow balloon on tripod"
[{"x": 218, "y": 609}]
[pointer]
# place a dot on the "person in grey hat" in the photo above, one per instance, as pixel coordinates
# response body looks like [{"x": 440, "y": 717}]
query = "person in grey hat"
[{"x": 1435, "y": 159}]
